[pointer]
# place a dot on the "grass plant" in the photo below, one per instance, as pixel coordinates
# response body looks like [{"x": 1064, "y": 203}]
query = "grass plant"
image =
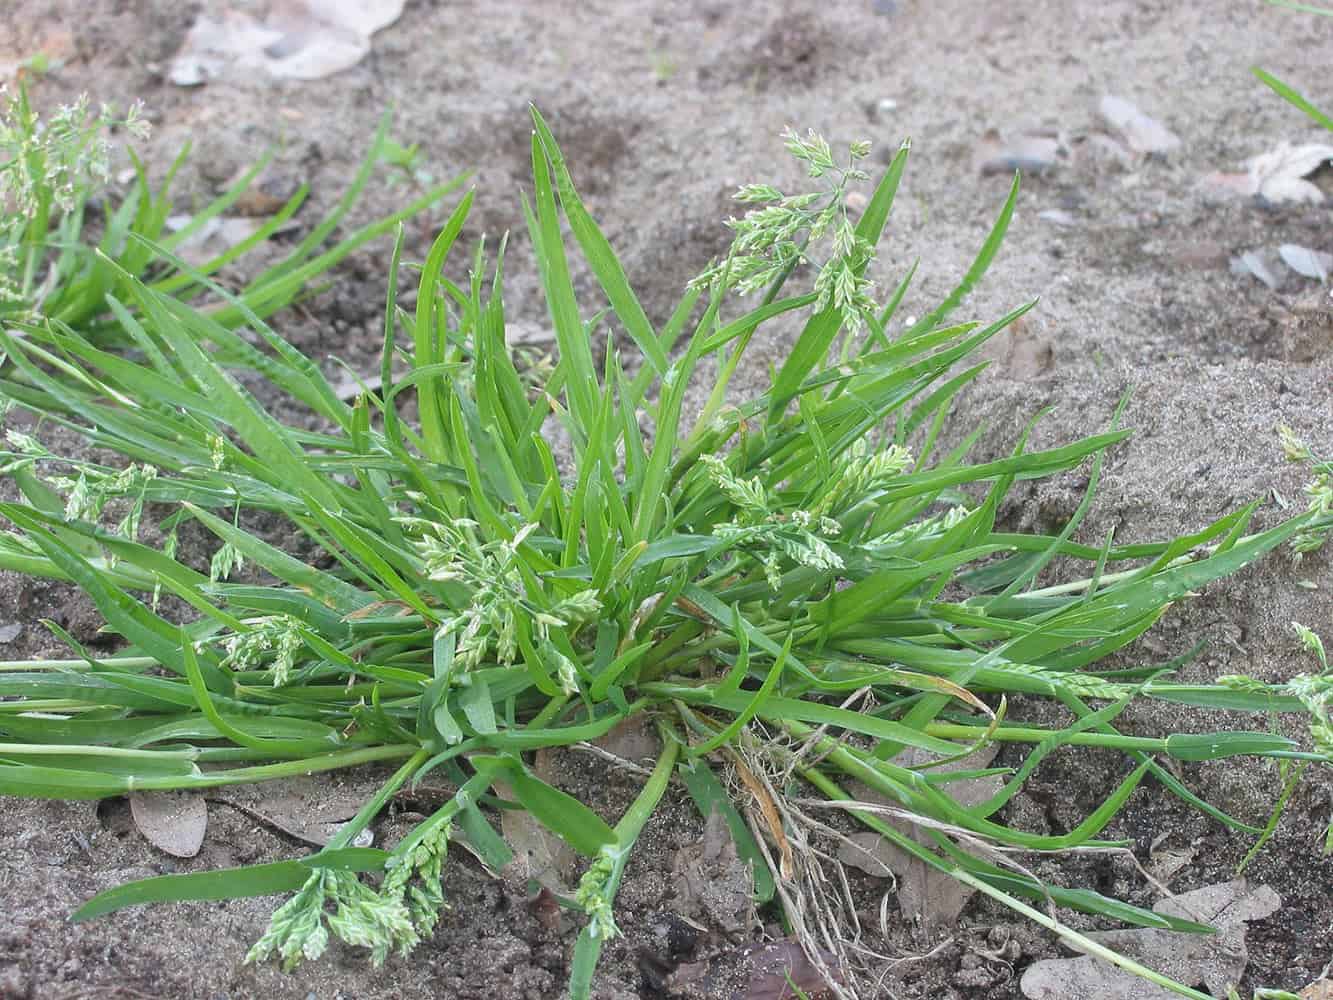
[
  {"x": 794, "y": 587},
  {"x": 65, "y": 249}
]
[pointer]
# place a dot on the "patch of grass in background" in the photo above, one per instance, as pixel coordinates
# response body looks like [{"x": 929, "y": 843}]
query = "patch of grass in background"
[
  {"x": 55, "y": 176},
  {"x": 796, "y": 587}
]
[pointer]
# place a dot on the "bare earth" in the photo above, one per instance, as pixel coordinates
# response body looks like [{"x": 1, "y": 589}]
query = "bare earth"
[{"x": 662, "y": 109}]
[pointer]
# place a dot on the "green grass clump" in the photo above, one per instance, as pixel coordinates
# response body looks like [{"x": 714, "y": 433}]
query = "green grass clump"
[
  {"x": 54, "y": 172},
  {"x": 743, "y": 580}
]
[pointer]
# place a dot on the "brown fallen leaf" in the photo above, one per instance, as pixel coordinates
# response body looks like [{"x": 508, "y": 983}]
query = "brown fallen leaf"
[
  {"x": 265, "y": 195},
  {"x": 779, "y": 969},
  {"x": 1141, "y": 133},
  {"x": 174, "y": 822},
  {"x": 539, "y": 855},
  {"x": 1164, "y": 865},
  {"x": 1320, "y": 989},
  {"x": 1215, "y": 961},
  {"x": 774, "y": 970},
  {"x": 924, "y": 894},
  {"x": 712, "y": 884},
  {"x": 300, "y": 40},
  {"x": 312, "y": 809},
  {"x": 635, "y": 739}
]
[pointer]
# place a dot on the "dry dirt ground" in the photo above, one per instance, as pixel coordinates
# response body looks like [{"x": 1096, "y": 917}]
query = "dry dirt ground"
[{"x": 662, "y": 107}]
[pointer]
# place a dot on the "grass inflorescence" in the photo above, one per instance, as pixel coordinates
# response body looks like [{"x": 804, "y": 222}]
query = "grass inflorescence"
[{"x": 797, "y": 587}]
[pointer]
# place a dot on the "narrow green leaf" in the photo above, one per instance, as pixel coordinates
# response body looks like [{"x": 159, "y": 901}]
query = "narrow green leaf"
[
  {"x": 560, "y": 813},
  {"x": 601, "y": 258}
]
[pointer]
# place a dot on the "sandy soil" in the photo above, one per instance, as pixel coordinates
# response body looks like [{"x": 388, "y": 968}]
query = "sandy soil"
[{"x": 662, "y": 108}]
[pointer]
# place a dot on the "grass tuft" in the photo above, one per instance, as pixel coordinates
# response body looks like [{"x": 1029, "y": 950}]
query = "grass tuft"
[
  {"x": 796, "y": 587},
  {"x": 62, "y": 264}
]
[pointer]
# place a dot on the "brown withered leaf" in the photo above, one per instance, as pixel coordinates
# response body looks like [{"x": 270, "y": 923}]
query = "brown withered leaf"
[
  {"x": 712, "y": 885},
  {"x": 635, "y": 739},
  {"x": 766, "y": 971},
  {"x": 310, "y": 808},
  {"x": 1214, "y": 961},
  {"x": 539, "y": 855},
  {"x": 174, "y": 822}
]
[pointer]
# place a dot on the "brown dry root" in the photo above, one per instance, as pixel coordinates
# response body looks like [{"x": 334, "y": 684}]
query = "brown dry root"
[{"x": 811, "y": 883}]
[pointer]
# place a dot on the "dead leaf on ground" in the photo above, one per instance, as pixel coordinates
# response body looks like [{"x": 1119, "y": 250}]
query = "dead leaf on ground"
[
  {"x": 1261, "y": 264},
  {"x": 1165, "y": 864},
  {"x": 539, "y": 854},
  {"x": 766, "y": 971},
  {"x": 712, "y": 884},
  {"x": 1306, "y": 262},
  {"x": 1032, "y": 152},
  {"x": 772, "y": 817},
  {"x": 174, "y": 822},
  {"x": 924, "y": 893},
  {"x": 1277, "y": 177},
  {"x": 265, "y": 195},
  {"x": 1026, "y": 353},
  {"x": 1212, "y": 960},
  {"x": 1140, "y": 132},
  {"x": 635, "y": 739},
  {"x": 300, "y": 40},
  {"x": 1320, "y": 989},
  {"x": 311, "y": 809}
]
